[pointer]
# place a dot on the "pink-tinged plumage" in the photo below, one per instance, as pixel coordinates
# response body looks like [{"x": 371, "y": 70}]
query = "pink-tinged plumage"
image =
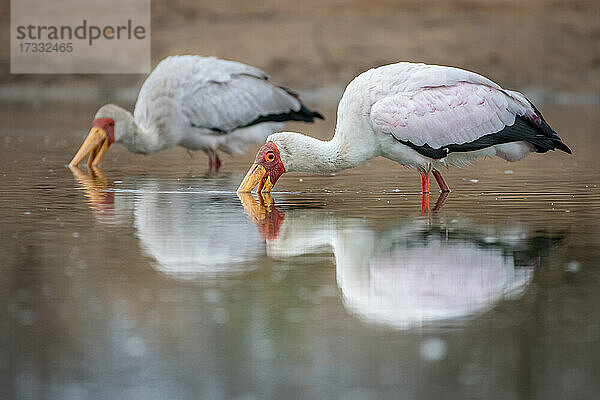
[
  {"x": 445, "y": 115},
  {"x": 424, "y": 117}
]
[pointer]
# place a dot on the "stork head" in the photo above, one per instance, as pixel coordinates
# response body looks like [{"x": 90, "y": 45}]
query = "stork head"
[
  {"x": 108, "y": 126},
  {"x": 265, "y": 171}
]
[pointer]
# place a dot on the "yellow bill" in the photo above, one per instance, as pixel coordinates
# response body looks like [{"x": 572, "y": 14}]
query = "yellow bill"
[
  {"x": 257, "y": 175},
  {"x": 95, "y": 145}
]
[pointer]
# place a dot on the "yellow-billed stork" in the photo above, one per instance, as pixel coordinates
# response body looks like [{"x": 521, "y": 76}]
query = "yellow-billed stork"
[
  {"x": 421, "y": 116},
  {"x": 200, "y": 103}
]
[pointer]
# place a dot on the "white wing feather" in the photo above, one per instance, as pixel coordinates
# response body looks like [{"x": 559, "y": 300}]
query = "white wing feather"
[
  {"x": 235, "y": 103},
  {"x": 213, "y": 93},
  {"x": 439, "y": 106}
]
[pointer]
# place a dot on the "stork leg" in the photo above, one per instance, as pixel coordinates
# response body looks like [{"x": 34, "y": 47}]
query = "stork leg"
[
  {"x": 425, "y": 189},
  {"x": 425, "y": 174},
  {"x": 210, "y": 155},
  {"x": 214, "y": 162},
  {"x": 424, "y": 204},
  {"x": 438, "y": 204},
  {"x": 440, "y": 181}
]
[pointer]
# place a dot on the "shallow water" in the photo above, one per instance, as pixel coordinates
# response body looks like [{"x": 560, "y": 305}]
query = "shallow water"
[{"x": 150, "y": 278}]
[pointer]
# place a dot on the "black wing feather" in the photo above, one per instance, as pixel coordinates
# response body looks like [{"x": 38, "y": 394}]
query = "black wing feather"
[
  {"x": 304, "y": 114},
  {"x": 539, "y": 134}
]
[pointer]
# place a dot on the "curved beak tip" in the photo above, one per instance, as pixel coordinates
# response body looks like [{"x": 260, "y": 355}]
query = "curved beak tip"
[
  {"x": 95, "y": 144},
  {"x": 257, "y": 174}
]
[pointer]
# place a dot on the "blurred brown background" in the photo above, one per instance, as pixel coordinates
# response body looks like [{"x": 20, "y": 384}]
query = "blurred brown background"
[{"x": 530, "y": 45}]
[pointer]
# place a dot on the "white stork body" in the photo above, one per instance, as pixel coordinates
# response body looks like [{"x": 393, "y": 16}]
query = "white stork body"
[
  {"x": 421, "y": 116},
  {"x": 202, "y": 103}
]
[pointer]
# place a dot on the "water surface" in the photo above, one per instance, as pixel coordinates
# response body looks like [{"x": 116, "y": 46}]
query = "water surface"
[{"x": 150, "y": 278}]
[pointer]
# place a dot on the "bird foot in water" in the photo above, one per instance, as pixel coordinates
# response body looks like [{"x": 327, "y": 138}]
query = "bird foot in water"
[
  {"x": 438, "y": 204},
  {"x": 214, "y": 162}
]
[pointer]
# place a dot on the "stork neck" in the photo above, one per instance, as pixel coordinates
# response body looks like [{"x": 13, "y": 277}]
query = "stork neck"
[
  {"x": 309, "y": 155},
  {"x": 301, "y": 153},
  {"x": 353, "y": 143},
  {"x": 136, "y": 139}
]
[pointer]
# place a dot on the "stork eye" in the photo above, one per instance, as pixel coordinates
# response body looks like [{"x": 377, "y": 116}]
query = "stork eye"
[
  {"x": 111, "y": 123},
  {"x": 269, "y": 157}
]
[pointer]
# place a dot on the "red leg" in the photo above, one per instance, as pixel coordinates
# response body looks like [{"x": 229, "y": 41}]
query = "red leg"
[
  {"x": 425, "y": 204},
  {"x": 425, "y": 174},
  {"x": 440, "y": 181},
  {"x": 214, "y": 162},
  {"x": 440, "y": 202}
]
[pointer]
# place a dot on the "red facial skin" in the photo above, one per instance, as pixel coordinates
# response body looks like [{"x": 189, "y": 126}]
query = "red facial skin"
[
  {"x": 108, "y": 124},
  {"x": 268, "y": 157}
]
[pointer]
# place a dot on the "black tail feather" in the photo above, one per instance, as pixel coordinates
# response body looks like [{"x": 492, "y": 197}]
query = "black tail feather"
[
  {"x": 523, "y": 129},
  {"x": 540, "y": 125},
  {"x": 561, "y": 146},
  {"x": 311, "y": 114},
  {"x": 304, "y": 114},
  {"x": 303, "y": 110}
]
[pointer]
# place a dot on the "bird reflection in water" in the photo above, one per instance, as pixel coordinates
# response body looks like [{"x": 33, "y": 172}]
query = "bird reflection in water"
[
  {"x": 97, "y": 188},
  {"x": 264, "y": 213},
  {"x": 411, "y": 272},
  {"x": 414, "y": 272},
  {"x": 191, "y": 233}
]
